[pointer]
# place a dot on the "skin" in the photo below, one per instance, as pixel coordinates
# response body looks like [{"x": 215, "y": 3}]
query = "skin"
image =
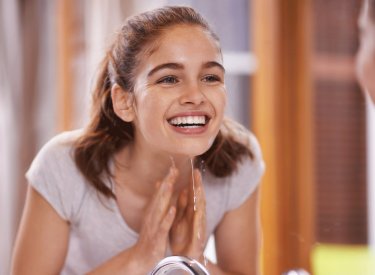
[
  {"x": 366, "y": 52},
  {"x": 182, "y": 84},
  {"x": 154, "y": 193}
]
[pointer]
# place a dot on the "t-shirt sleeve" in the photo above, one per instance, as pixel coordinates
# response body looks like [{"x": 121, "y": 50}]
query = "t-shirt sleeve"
[
  {"x": 51, "y": 174},
  {"x": 247, "y": 177}
]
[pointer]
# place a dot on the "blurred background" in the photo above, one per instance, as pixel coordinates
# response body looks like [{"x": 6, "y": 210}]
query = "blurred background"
[{"x": 290, "y": 79}]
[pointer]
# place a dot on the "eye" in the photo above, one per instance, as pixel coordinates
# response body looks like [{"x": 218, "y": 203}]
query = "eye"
[
  {"x": 170, "y": 79},
  {"x": 211, "y": 78}
]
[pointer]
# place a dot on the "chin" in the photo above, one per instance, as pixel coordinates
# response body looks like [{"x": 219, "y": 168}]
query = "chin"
[
  {"x": 190, "y": 152},
  {"x": 192, "y": 149}
]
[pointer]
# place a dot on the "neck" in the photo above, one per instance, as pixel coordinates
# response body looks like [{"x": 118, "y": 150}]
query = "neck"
[{"x": 140, "y": 170}]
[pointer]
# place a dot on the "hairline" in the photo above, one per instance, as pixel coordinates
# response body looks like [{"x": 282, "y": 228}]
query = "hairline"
[{"x": 153, "y": 45}]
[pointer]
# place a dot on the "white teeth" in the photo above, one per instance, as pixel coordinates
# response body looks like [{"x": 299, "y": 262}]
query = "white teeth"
[{"x": 188, "y": 120}]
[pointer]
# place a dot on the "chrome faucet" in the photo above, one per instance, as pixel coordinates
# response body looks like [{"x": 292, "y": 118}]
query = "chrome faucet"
[
  {"x": 296, "y": 272},
  {"x": 178, "y": 265}
]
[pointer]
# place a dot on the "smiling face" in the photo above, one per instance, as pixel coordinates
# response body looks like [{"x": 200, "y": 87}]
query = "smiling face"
[
  {"x": 366, "y": 53},
  {"x": 179, "y": 93}
]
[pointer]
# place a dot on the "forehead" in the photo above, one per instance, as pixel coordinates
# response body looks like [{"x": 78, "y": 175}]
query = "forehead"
[
  {"x": 192, "y": 32},
  {"x": 182, "y": 41}
]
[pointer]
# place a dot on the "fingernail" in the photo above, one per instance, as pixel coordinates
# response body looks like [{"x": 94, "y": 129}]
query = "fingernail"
[
  {"x": 172, "y": 172},
  {"x": 157, "y": 184},
  {"x": 166, "y": 184},
  {"x": 172, "y": 210}
]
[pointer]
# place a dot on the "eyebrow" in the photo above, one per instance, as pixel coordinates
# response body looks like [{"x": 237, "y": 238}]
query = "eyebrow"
[
  {"x": 175, "y": 66},
  {"x": 179, "y": 66},
  {"x": 211, "y": 64}
]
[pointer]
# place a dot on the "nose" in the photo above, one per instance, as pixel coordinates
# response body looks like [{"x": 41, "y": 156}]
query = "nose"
[{"x": 192, "y": 94}]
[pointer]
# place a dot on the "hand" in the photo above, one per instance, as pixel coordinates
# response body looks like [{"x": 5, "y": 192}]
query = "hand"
[
  {"x": 187, "y": 235},
  {"x": 153, "y": 237}
]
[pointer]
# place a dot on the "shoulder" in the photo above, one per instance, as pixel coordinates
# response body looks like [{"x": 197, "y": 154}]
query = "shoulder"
[
  {"x": 236, "y": 187},
  {"x": 247, "y": 177},
  {"x": 54, "y": 175},
  {"x": 243, "y": 182},
  {"x": 56, "y": 156},
  {"x": 61, "y": 142},
  {"x": 58, "y": 149}
]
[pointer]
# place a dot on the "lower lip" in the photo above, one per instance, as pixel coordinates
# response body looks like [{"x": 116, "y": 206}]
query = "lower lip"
[{"x": 190, "y": 131}]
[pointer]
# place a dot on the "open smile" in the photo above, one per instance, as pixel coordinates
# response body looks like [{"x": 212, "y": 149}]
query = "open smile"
[
  {"x": 189, "y": 121},
  {"x": 190, "y": 124}
]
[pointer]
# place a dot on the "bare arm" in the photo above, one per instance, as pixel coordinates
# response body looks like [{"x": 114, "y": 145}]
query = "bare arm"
[
  {"x": 237, "y": 240},
  {"x": 153, "y": 237},
  {"x": 42, "y": 239},
  {"x": 237, "y": 236}
]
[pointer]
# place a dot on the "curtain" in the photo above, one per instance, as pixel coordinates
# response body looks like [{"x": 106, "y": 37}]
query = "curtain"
[
  {"x": 10, "y": 89},
  {"x": 31, "y": 85}
]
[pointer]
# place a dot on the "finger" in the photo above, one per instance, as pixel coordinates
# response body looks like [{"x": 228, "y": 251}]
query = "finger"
[
  {"x": 164, "y": 192},
  {"x": 157, "y": 185},
  {"x": 199, "y": 231},
  {"x": 200, "y": 214},
  {"x": 167, "y": 220},
  {"x": 199, "y": 190},
  {"x": 194, "y": 196},
  {"x": 182, "y": 204},
  {"x": 161, "y": 200},
  {"x": 192, "y": 189},
  {"x": 191, "y": 197},
  {"x": 162, "y": 234}
]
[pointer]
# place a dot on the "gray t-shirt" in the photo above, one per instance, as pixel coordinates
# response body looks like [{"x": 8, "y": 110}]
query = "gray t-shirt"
[{"x": 97, "y": 229}]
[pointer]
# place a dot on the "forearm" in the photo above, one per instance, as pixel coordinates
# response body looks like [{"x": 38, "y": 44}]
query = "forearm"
[{"x": 124, "y": 263}]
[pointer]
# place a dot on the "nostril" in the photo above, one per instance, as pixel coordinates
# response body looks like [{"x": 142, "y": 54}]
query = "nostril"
[{"x": 193, "y": 98}]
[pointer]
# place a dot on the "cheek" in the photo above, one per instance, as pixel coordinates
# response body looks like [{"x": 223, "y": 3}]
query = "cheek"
[
  {"x": 218, "y": 99},
  {"x": 148, "y": 111},
  {"x": 152, "y": 108},
  {"x": 224, "y": 99}
]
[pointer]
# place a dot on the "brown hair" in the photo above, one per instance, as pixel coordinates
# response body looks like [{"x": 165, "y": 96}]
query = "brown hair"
[{"x": 107, "y": 133}]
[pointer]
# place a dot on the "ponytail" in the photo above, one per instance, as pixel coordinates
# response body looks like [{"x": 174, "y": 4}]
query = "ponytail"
[{"x": 105, "y": 134}]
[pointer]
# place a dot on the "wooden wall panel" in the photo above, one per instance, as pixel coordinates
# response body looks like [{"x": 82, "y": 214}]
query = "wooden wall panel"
[
  {"x": 70, "y": 46},
  {"x": 340, "y": 123}
]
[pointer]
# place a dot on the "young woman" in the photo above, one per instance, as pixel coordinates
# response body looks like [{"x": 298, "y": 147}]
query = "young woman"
[
  {"x": 366, "y": 52},
  {"x": 120, "y": 195}
]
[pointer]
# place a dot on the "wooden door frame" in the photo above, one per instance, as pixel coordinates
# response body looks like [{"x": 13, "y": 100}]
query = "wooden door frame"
[{"x": 282, "y": 115}]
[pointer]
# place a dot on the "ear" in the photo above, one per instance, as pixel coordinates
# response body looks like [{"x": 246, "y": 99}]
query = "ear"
[{"x": 122, "y": 103}]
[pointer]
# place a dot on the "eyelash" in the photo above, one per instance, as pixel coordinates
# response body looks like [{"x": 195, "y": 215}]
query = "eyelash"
[
  {"x": 170, "y": 79},
  {"x": 211, "y": 78}
]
